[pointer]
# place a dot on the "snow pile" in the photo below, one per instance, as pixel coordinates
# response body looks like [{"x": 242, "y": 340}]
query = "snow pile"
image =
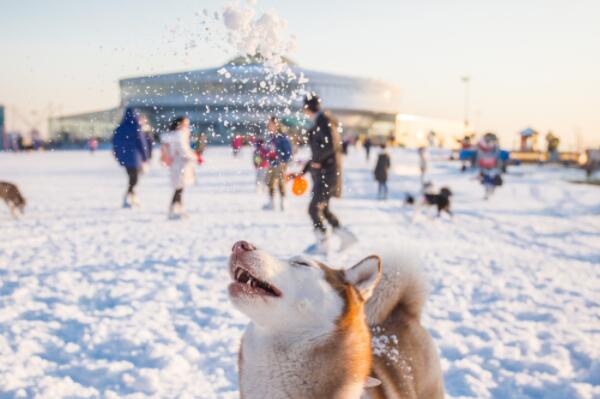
[
  {"x": 258, "y": 77},
  {"x": 101, "y": 302},
  {"x": 251, "y": 34}
]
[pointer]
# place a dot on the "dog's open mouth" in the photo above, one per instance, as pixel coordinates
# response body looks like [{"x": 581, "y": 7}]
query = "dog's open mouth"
[{"x": 252, "y": 285}]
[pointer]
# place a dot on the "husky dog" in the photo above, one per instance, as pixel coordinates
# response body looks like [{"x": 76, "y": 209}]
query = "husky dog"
[
  {"x": 14, "y": 199},
  {"x": 310, "y": 331}
]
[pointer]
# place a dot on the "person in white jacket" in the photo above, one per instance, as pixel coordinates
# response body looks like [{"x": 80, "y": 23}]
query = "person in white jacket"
[{"x": 179, "y": 156}]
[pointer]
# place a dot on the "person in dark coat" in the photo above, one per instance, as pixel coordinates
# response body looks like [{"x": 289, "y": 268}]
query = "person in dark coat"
[
  {"x": 367, "y": 145},
  {"x": 345, "y": 145},
  {"x": 148, "y": 133},
  {"x": 130, "y": 147},
  {"x": 381, "y": 173},
  {"x": 325, "y": 167}
]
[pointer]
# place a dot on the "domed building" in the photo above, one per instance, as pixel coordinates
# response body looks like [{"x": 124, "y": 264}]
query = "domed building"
[{"x": 238, "y": 98}]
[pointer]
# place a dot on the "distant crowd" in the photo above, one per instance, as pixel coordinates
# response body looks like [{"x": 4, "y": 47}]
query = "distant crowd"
[{"x": 132, "y": 147}]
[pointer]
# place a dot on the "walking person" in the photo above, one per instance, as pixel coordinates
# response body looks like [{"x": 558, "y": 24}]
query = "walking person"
[
  {"x": 261, "y": 164},
  {"x": 149, "y": 134},
  {"x": 200, "y": 147},
  {"x": 367, "y": 145},
  {"x": 93, "y": 144},
  {"x": 130, "y": 147},
  {"x": 236, "y": 145},
  {"x": 179, "y": 156},
  {"x": 279, "y": 154},
  {"x": 381, "y": 172},
  {"x": 423, "y": 164},
  {"x": 326, "y": 170},
  {"x": 488, "y": 158}
]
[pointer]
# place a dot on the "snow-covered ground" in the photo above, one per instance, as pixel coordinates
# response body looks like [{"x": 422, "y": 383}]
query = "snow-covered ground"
[{"x": 97, "y": 301}]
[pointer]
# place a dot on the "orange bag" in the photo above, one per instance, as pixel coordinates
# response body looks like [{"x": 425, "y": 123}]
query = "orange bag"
[{"x": 299, "y": 185}]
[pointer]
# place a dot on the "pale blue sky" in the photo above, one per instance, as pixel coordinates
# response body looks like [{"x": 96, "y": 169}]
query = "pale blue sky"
[{"x": 532, "y": 62}]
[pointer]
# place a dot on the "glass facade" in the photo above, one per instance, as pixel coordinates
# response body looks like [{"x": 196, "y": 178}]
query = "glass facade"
[{"x": 239, "y": 98}]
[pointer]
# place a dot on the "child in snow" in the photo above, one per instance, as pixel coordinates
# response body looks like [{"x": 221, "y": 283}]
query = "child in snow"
[
  {"x": 488, "y": 158},
  {"x": 201, "y": 143},
  {"x": 279, "y": 153},
  {"x": 261, "y": 163},
  {"x": 381, "y": 172},
  {"x": 178, "y": 155}
]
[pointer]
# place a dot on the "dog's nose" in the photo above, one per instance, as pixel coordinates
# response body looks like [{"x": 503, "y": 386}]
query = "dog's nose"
[{"x": 242, "y": 246}]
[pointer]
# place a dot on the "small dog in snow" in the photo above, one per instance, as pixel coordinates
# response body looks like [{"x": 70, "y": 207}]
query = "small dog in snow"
[
  {"x": 440, "y": 200},
  {"x": 315, "y": 334},
  {"x": 14, "y": 199}
]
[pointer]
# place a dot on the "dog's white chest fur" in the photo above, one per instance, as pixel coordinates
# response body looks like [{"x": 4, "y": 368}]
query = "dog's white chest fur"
[{"x": 278, "y": 367}]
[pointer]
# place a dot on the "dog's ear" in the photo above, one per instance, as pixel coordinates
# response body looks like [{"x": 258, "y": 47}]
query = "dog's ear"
[{"x": 365, "y": 275}]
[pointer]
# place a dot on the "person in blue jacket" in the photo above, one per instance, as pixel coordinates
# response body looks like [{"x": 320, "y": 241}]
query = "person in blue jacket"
[
  {"x": 279, "y": 153},
  {"x": 131, "y": 149}
]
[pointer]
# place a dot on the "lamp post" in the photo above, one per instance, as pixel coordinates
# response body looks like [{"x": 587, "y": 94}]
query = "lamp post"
[{"x": 466, "y": 80}]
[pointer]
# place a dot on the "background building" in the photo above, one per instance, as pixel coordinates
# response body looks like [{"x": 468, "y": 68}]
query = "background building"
[
  {"x": 418, "y": 131},
  {"x": 81, "y": 127},
  {"x": 239, "y": 97}
]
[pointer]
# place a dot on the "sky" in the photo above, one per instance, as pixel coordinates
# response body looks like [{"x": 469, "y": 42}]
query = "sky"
[{"x": 531, "y": 62}]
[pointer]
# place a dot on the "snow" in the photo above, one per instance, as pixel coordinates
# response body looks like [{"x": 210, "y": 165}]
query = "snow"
[
  {"x": 250, "y": 33},
  {"x": 97, "y": 301}
]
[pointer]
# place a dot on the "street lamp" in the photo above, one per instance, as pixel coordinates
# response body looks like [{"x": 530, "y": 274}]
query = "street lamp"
[{"x": 466, "y": 80}]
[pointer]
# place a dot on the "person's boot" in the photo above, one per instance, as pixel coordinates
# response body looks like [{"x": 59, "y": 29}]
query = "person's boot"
[
  {"x": 282, "y": 204},
  {"x": 175, "y": 211},
  {"x": 172, "y": 211},
  {"x": 134, "y": 200},
  {"x": 127, "y": 202},
  {"x": 321, "y": 245},
  {"x": 348, "y": 239},
  {"x": 269, "y": 206}
]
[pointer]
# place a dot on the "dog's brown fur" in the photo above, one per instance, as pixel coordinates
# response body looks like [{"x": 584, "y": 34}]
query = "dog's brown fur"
[
  {"x": 414, "y": 373},
  {"x": 352, "y": 332},
  {"x": 408, "y": 367},
  {"x": 10, "y": 193},
  {"x": 337, "y": 364}
]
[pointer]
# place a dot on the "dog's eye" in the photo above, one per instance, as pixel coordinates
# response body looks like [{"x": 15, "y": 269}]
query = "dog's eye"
[{"x": 300, "y": 263}]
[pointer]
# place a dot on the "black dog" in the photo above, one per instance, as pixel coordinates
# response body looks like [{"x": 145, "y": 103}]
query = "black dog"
[{"x": 440, "y": 200}]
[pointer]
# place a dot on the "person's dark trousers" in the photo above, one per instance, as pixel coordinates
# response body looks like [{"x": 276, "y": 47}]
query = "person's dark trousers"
[
  {"x": 132, "y": 173},
  {"x": 177, "y": 197},
  {"x": 318, "y": 208},
  {"x": 383, "y": 190}
]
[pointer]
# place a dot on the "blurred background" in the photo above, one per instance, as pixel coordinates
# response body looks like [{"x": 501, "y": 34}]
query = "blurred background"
[{"x": 454, "y": 68}]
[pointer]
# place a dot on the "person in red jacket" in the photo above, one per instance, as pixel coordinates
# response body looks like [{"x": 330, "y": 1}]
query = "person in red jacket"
[{"x": 236, "y": 144}]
